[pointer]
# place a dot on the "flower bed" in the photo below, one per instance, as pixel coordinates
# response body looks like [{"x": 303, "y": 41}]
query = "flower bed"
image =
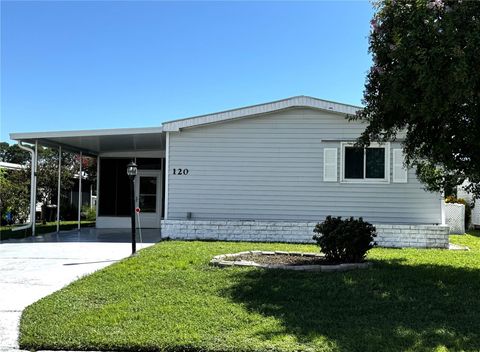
[{"x": 284, "y": 260}]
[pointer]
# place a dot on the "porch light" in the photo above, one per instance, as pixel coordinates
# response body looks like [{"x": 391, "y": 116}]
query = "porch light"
[
  {"x": 132, "y": 169},
  {"x": 132, "y": 172}
]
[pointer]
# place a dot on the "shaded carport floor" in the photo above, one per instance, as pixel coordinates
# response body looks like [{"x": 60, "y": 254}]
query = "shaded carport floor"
[{"x": 33, "y": 268}]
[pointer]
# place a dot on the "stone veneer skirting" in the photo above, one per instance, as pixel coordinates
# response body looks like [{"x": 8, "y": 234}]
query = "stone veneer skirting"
[{"x": 418, "y": 236}]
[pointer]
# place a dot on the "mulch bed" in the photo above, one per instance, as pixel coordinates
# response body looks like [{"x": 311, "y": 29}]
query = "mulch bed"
[{"x": 281, "y": 259}]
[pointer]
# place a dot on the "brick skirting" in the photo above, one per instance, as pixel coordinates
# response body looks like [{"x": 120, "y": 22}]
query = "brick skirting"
[{"x": 418, "y": 236}]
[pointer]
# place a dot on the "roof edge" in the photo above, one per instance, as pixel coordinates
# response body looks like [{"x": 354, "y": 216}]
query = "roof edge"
[
  {"x": 247, "y": 111},
  {"x": 85, "y": 133}
]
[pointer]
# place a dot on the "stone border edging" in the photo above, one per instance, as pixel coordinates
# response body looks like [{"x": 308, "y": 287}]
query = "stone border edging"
[{"x": 220, "y": 261}]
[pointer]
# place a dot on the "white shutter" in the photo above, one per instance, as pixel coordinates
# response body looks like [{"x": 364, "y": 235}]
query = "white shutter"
[
  {"x": 399, "y": 171},
  {"x": 330, "y": 165}
]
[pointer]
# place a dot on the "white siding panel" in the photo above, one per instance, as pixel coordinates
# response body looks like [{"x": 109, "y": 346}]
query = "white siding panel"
[{"x": 271, "y": 168}]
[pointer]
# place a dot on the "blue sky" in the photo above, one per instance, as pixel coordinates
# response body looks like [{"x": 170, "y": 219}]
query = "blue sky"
[{"x": 86, "y": 65}]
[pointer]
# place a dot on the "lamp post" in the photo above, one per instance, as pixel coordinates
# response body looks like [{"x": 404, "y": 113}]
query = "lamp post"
[{"x": 132, "y": 172}]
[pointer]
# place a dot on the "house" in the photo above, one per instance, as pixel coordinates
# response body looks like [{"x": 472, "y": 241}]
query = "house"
[{"x": 266, "y": 172}]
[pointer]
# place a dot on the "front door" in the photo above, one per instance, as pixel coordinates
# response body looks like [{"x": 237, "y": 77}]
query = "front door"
[{"x": 148, "y": 190}]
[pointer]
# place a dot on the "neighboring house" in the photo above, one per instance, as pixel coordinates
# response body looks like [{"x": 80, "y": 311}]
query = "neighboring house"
[{"x": 267, "y": 172}]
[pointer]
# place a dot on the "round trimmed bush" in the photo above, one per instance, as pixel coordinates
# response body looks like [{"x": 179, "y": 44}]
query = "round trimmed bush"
[{"x": 345, "y": 240}]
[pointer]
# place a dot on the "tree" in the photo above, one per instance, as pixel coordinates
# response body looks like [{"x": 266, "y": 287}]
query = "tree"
[
  {"x": 13, "y": 154},
  {"x": 15, "y": 183},
  {"x": 47, "y": 180},
  {"x": 14, "y": 194},
  {"x": 47, "y": 176},
  {"x": 424, "y": 86}
]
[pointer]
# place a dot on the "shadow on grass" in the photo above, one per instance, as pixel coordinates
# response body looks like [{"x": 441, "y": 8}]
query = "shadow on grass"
[
  {"x": 475, "y": 233},
  {"x": 390, "y": 307}
]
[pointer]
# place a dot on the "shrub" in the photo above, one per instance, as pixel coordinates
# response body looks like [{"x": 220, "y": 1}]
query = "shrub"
[
  {"x": 344, "y": 241},
  {"x": 89, "y": 212},
  {"x": 468, "y": 208}
]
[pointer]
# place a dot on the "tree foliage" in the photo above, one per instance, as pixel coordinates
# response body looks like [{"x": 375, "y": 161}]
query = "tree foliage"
[
  {"x": 14, "y": 194},
  {"x": 13, "y": 154},
  {"x": 47, "y": 176},
  {"x": 424, "y": 87},
  {"x": 15, "y": 184}
]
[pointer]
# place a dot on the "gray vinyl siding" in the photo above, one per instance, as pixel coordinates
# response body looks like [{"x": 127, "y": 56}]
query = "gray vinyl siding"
[{"x": 270, "y": 167}]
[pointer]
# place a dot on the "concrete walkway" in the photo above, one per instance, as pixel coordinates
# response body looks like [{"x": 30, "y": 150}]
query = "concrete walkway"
[{"x": 34, "y": 268}]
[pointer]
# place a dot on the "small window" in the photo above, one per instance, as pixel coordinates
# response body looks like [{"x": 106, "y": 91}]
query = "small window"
[{"x": 365, "y": 164}]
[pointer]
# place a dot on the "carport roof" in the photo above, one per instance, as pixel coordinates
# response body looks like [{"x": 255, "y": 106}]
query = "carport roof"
[{"x": 94, "y": 142}]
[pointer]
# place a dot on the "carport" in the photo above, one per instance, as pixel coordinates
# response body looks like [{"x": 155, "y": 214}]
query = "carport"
[{"x": 115, "y": 148}]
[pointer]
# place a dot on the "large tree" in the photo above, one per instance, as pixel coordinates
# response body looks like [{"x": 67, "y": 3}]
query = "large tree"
[{"x": 424, "y": 87}]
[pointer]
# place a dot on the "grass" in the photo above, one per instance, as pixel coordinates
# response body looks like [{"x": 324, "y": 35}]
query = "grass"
[
  {"x": 6, "y": 232},
  {"x": 169, "y": 299}
]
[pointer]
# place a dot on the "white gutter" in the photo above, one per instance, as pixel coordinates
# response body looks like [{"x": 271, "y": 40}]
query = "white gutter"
[{"x": 32, "y": 191}]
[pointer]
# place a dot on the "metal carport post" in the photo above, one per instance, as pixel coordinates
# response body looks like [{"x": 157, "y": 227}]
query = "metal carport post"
[
  {"x": 59, "y": 186},
  {"x": 80, "y": 191}
]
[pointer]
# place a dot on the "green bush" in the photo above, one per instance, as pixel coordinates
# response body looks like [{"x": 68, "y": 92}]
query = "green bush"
[
  {"x": 89, "y": 213},
  {"x": 468, "y": 208},
  {"x": 344, "y": 241}
]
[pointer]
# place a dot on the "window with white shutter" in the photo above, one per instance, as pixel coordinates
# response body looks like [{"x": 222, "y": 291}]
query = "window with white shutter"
[
  {"x": 330, "y": 164},
  {"x": 365, "y": 164},
  {"x": 399, "y": 171}
]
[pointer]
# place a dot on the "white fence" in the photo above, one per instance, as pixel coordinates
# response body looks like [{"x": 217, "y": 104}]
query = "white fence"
[
  {"x": 455, "y": 217},
  {"x": 476, "y": 214},
  {"x": 461, "y": 193}
]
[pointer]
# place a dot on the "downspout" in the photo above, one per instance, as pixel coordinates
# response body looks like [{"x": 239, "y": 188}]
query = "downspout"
[{"x": 32, "y": 189}]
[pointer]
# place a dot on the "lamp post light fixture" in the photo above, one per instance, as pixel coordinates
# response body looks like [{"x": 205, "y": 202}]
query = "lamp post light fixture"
[{"x": 132, "y": 172}]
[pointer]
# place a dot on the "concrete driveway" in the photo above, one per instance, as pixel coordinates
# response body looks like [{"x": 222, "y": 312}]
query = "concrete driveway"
[{"x": 34, "y": 268}]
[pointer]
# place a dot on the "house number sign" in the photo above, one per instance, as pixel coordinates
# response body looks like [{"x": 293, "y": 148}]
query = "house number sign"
[{"x": 179, "y": 171}]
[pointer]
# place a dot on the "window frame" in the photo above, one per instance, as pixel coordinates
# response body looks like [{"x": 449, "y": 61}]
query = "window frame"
[{"x": 364, "y": 180}]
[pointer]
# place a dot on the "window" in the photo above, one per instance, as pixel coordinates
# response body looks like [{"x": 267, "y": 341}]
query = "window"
[{"x": 365, "y": 164}]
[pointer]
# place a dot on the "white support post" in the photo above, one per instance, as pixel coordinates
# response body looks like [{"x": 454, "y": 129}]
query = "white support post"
[
  {"x": 80, "y": 191},
  {"x": 59, "y": 186},
  {"x": 167, "y": 170},
  {"x": 35, "y": 168},
  {"x": 98, "y": 186}
]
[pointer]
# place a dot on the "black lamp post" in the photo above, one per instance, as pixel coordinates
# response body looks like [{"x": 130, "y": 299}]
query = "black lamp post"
[{"x": 132, "y": 172}]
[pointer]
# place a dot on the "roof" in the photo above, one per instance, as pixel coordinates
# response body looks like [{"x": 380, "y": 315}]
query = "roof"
[
  {"x": 94, "y": 142},
  {"x": 249, "y": 111}
]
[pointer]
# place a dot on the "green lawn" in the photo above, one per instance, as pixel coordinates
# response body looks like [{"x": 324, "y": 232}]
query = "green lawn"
[
  {"x": 169, "y": 298},
  {"x": 6, "y": 232}
]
